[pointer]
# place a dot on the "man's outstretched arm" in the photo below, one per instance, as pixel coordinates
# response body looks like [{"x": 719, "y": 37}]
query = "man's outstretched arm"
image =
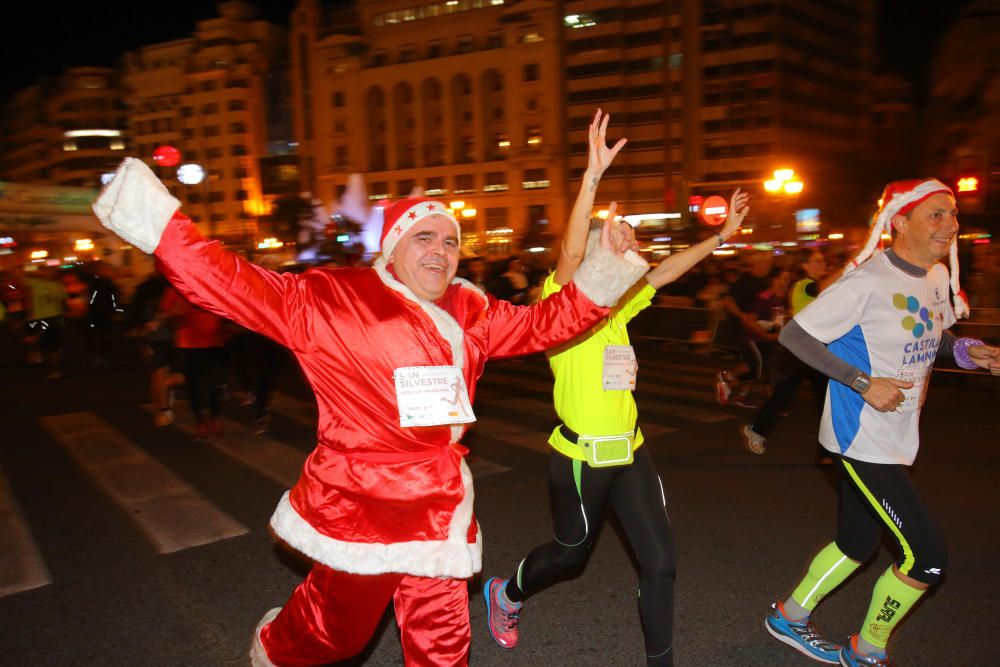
[{"x": 139, "y": 209}]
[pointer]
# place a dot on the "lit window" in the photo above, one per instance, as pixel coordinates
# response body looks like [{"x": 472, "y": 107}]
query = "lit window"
[{"x": 579, "y": 20}]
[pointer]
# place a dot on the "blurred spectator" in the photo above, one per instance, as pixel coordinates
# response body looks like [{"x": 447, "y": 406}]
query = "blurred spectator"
[
  {"x": 200, "y": 336},
  {"x": 157, "y": 345},
  {"x": 77, "y": 295},
  {"x": 513, "y": 283},
  {"x": 45, "y": 328},
  {"x": 103, "y": 309},
  {"x": 984, "y": 287},
  {"x": 786, "y": 371},
  {"x": 477, "y": 274},
  {"x": 12, "y": 294},
  {"x": 257, "y": 358},
  {"x": 739, "y": 306}
]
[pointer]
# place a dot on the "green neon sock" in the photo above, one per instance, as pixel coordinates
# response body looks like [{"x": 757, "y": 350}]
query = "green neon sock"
[
  {"x": 891, "y": 600},
  {"x": 828, "y": 570}
]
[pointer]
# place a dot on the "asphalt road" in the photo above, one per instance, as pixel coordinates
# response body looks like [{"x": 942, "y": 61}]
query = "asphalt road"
[{"x": 168, "y": 561}]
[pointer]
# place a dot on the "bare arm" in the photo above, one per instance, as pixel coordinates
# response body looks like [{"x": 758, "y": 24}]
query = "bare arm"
[
  {"x": 574, "y": 242},
  {"x": 677, "y": 264}
]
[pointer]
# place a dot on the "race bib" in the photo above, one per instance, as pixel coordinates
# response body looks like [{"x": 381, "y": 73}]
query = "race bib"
[
  {"x": 620, "y": 368},
  {"x": 913, "y": 398},
  {"x": 432, "y": 396}
]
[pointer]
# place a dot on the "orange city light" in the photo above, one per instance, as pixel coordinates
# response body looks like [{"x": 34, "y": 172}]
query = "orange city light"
[{"x": 968, "y": 184}]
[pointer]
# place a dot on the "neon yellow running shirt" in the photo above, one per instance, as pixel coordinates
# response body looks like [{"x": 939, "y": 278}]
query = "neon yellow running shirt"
[{"x": 580, "y": 400}]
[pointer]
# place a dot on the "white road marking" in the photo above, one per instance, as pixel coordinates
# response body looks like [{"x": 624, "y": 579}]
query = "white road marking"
[
  {"x": 21, "y": 564},
  {"x": 171, "y": 513}
]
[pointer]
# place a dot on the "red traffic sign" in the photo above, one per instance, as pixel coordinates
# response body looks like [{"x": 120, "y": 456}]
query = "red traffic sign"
[{"x": 714, "y": 210}]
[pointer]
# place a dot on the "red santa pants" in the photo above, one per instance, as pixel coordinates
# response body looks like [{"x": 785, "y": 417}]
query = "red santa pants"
[{"x": 332, "y": 615}]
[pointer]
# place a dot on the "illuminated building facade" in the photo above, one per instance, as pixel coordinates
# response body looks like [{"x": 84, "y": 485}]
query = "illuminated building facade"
[
  {"x": 66, "y": 130},
  {"x": 462, "y": 98},
  {"x": 206, "y": 96},
  {"x": 715, "y": 94}
]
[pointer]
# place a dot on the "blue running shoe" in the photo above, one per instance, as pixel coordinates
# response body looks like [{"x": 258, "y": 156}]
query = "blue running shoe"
[
  {"x": 851, "y": 657},
  {"x": 501, "y": 617},
  {"x": 803, "y": 636}
]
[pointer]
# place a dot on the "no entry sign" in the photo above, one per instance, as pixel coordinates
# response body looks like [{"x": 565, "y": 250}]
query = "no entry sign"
[{"x": 714, "y": 210}]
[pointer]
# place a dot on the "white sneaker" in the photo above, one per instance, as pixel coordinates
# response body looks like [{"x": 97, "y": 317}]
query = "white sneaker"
[{"x": 753, "y": 441}]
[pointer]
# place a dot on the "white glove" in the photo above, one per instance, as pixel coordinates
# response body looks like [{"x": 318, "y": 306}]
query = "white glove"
[{"x": 135, "y": 205}]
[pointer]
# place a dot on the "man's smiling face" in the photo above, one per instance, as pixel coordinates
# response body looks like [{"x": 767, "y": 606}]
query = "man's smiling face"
[
  {"x": 930, "y": 229},
  {"x": 426, "y": 258}
]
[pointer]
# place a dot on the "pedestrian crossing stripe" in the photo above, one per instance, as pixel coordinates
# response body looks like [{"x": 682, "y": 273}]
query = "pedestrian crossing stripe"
[
  {"x": 271, "y": 458},
  {"x": 21, "y": 564},
  {"x": 274, "y": 459},
  {"x": 643, "y": 394},
  {"x": 168, "y": 511}
]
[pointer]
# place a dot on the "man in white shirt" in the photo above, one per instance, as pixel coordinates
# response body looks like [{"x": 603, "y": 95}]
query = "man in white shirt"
[{"x": 876, "y": 333}]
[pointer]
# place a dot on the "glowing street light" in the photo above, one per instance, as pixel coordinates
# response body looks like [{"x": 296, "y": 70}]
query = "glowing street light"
[{"x": 784, "y": 182}]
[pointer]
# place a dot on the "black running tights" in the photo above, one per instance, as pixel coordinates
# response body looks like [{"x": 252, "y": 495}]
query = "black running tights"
[{"x": 635, "y": 493}]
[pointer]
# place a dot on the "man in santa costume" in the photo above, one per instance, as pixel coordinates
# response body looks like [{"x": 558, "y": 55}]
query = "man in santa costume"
[{"x": 384, "y": 503}]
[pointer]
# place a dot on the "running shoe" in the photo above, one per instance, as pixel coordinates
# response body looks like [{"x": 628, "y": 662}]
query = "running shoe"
[
  {"x": 753, "y": 441},
  {"x": 722, "y": 390},
  {"x": 203, "y": 430},
  {"x": 501, "y": 618},
  {"x": 262, "y": 425},
  {"x": 851, "y": 657},
  {"x": 802, "y": 636},
  {"x": 164, "y": 417},
  {"x": 744, "y": 400}
]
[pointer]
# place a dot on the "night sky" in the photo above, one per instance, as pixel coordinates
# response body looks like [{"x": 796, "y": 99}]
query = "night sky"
[
  {"x": 44, "y": 38},
  {"x": 40, "y": 39}
]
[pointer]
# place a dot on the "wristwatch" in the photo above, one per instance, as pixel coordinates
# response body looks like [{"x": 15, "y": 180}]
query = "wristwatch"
[{"x": 861, "y": 383}]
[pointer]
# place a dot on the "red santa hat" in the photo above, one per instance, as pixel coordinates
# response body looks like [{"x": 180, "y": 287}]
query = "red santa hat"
[
  {"x": 899, "y": 198},
  {"x": 405, "y": 213}
]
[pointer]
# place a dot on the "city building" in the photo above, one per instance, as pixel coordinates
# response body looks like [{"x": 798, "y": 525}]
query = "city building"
[
  {"x": 715, "y": 94},
  {"x": 206, "y": 95},
  {"x": 462, "y": 98},
  {"x": 65, "y": 130}
]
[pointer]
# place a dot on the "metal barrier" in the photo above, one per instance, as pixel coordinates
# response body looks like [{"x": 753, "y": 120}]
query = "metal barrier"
[
  {"x": 711, "y": 330},
  {"x": 677, "y": 324}
]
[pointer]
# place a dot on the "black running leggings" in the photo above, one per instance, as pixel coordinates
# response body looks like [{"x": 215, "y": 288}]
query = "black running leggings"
[
  {"x": 876, "y": 498},
  {"x": 635, "y": 493}
]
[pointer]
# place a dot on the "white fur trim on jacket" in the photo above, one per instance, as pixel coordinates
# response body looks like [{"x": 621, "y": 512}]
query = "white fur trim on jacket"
[
  {"x": 443, "y": 322},
  {"x": 453, "y": 557},
  {"x": 258, "y": 656},
  {"x": 603, "y": 276},
  {"x": 135, "y": 205}
]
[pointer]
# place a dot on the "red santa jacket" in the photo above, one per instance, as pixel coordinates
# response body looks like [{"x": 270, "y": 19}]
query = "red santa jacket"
[{"x": 373, "y": 496}]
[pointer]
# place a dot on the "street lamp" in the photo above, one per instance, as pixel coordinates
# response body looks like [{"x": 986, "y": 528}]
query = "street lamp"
[
  {"x": 784, "y": 186},
  {"x": 784, "y": 182},
  {"x": 192, "y": 173}
]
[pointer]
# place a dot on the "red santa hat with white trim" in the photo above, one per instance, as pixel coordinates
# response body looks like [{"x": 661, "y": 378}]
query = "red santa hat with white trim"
[
  {"x": 405, "y": 213},
  {"x": 899, "y": 198}
]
